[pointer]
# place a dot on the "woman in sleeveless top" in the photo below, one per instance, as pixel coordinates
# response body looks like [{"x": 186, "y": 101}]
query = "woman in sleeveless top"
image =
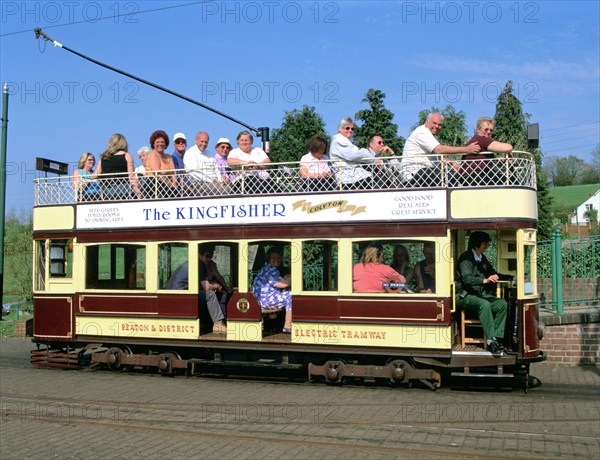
[
  {"x": 116, "y": 170},
  {"x": 160, "y": 166},
  {"x": 86, "y": 188}
]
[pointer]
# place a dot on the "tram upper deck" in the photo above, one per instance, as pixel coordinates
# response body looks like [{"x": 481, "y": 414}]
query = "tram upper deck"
[
  {"x": 498, "y": 188},
  {"x": 286, "y": 179}
]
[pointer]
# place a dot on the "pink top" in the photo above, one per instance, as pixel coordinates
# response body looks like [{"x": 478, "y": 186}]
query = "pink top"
[{"x": 370, "y": 277}]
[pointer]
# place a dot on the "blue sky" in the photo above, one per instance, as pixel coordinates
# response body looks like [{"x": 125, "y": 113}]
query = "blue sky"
[{"x": 255, "y": 60}]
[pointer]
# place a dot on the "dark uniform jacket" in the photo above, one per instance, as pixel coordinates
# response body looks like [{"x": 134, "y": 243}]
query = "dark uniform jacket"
[{"x": 470, "y": 275}]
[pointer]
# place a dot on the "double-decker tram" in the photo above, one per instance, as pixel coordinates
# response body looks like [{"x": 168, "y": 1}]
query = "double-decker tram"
[{"x": 104, "y": 267}]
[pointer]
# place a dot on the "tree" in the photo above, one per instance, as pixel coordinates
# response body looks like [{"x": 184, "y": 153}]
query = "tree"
[
  {"x": 454, "y": 131},
  {"x": 290, "y": 141},
  {"x": 511, "y": 127},
  {"x": 511, "y": 121},
  {"x": 563, "y": 171},
  {"x": 17, "y": 255},
  {"x": 377, "y": 120}
]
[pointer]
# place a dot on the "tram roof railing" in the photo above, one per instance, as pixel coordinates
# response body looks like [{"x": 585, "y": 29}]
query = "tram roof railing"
[{"x": 386, "y": 173}]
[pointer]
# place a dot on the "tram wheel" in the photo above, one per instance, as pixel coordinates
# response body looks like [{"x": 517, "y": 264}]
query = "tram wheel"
[{"x": 115, "y": 358}]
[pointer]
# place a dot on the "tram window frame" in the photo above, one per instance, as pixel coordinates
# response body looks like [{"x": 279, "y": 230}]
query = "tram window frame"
[
  {"x": 225, "y": 256},
  {"x": 40, "y": 266},
  {"x": 329, "y": 265},
  {"x": 415, "y": 248},
  {"x": 258, "y": 260},
  {"x": 529, "y": 269},
  {"x": 125, "y": 263},
  {"x": 61, "y": 258},
  {"x": 168, "y": 262}
]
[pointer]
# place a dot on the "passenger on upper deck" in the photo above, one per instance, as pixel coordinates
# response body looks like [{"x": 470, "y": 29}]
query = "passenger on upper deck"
[
  {"x": 348, "y": 159},
  {"x": 87, "y": 189},
  {"x": 223, "y": 147},
  {"x": 160, "y": 166},
  {"x": 314, "y": 166},
  {"x": 253, "y": 160},
  {"x": 384, "y": 173},
  {"x": 369, "y": 274},
  {"x": 180, "y": 144},
  {"x": 476, "y": 163},
  {"x": 422, "y": 170},
  {"x": 424, "y": 271},
  {"x": 143, "y": 155},
  {"x": 116, "y": 162},
  {"x": 201, "y": 165},
  {"x": 272, "y": 290},
  {"x": 401, "y": 263},
  {"x": 475, "y": 277}
]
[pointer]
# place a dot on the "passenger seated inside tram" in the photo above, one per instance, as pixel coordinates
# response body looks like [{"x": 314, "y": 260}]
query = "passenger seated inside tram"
[
  {"x": 272, "y": 290},
  {"x": 370, "y": 273},
  {"x": 180, "y": 280},
  {"x": 314, "y": 166},
  {"x": 401, "y": 263},
  {"x": 424, "y": 271},
  {"x": 216, "y": 282}
]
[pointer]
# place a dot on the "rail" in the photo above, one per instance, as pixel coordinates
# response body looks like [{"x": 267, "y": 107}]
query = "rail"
[{"x": 289, "y": 178}]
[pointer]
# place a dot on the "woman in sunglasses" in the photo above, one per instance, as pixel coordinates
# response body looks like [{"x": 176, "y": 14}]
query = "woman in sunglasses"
[{"x": 347, "y": 159}]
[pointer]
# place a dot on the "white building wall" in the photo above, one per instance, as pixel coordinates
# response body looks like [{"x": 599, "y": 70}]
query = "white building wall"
[{"x": 594, "y": 201}]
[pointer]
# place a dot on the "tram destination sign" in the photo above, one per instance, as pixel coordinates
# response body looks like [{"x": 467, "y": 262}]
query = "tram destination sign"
[{"x": 331, "y": 208}]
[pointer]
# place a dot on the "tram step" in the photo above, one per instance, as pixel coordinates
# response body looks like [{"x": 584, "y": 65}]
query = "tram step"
[{"x": 469, "y": 374}]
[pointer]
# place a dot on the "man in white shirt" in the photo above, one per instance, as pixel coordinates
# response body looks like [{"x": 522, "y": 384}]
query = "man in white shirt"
[
  {"x": 200, "y": 164},
  {"x": 418, "y": 166}
]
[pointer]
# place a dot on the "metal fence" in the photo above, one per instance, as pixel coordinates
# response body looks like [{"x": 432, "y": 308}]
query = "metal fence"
[{"x": 568, "y": 272}]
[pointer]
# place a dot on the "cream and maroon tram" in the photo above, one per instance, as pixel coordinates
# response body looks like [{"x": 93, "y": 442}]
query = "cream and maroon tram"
[{"x": 102, "y": 264}]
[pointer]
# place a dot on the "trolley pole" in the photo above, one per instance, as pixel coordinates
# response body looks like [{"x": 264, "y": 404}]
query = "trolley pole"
[{"x": 3, "y": 184}]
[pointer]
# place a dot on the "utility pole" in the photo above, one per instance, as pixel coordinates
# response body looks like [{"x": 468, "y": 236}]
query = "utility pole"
[{"x": 3, "y": 184}]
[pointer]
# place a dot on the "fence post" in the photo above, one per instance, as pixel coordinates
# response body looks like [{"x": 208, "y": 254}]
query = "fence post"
[{"x": 557, "y": 273}]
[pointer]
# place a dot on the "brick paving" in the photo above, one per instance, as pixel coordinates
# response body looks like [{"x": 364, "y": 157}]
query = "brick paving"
[{"x": 50, "y": 413}]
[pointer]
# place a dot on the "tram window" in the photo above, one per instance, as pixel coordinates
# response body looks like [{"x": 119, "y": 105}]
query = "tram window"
[
  {"x": 413, "y": 259},
  {"x": 225, "y": 258},
  {"x": 257, "y": 258},
  {"x": 170, "y": 257},
  {"x": 115, "y": 266},
  {"x": 40, "y": 265},
  {"x": 61, "y": 258},
  {"x": 529, "y": 268},
  {"x": 319, "y": 267}
]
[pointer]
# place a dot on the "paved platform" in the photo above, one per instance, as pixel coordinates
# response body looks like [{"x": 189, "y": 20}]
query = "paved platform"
[{"x": 83, "y": 414}]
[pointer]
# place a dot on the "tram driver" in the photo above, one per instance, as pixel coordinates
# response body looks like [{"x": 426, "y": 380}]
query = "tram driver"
[{"x": 475, "y": 278}]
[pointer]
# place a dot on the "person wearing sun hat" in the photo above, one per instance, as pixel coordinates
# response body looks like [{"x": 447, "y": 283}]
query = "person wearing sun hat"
[{"x": 223, "y": 148}]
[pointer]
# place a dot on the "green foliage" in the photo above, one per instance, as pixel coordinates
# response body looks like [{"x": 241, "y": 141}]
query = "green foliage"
[
  {"x": 564, "y": 170},
  {"x": 18, "y": 256},
  {"x": 511, "y": 127},
  {"x": 591, "y": 215},
  {"x": 377, "y": 120},
  {"x": 290, "y": 141},
  {"x": 511, "y": 121},
  {"x": 454, "y": 131}
]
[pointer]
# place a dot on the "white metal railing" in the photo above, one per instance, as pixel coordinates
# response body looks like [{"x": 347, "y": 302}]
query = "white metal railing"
[{"x": 286, "y": 178}]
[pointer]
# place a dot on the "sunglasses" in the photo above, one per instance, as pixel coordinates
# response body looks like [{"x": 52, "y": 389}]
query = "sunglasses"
[
  {"x": 380, "y": 143},
  {"x": 349, "y": 128},
  {"x": 180, "y": 141}
]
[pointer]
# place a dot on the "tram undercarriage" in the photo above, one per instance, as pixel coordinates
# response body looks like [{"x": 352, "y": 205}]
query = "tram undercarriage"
[{"x": 471, "y": 366}]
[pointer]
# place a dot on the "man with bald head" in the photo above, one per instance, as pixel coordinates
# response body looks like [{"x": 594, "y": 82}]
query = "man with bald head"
[
  {"x": 201, "y": 165},
  {"x": 419, "y": 167}
]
